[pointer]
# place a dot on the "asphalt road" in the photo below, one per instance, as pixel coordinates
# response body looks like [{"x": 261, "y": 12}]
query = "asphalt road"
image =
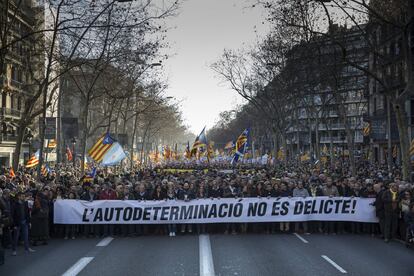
[{"x": 280, "y": 254}]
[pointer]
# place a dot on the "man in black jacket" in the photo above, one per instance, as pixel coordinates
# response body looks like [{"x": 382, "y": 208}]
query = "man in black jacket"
[
  {"x": 5, "y": 207},
  {"x": 390, "y": 199},
  {"x": 90, "y": 230},
  {"x": 315, "y": 191},
  {"x": 21, "y": 220},
  {"x": 231, "y": 191},
  {"x": 186, "y": 194}
]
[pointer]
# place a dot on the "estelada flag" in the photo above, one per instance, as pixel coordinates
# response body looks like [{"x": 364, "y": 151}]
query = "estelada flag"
[
  {"x": 45, "y": 170},
  {"x": 34, "y": 160},
  {"x": 98, "y": 150},
  {"x": 200, "y": 141}
]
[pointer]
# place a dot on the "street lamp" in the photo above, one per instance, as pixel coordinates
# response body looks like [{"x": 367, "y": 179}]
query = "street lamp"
[{"x": 74, "y": 151}]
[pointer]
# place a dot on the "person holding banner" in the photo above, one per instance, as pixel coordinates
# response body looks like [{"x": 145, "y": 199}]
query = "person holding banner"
[
  {"x": 331, "y": 191},
  {"x": 390, "y": 199},
  {"x": 108, "y": 194},
  {"x": 90, "y": 194},
  {"x": 269, "y": 192},
  {"x": 141, "y": 193},
  {"x": 186, "y": 194},
  {"x": 300, "y": 191},
  {"x": 159, "y": 194},
  {"x": 284, "y": 192},
  {"x": 315, "y": 190},
  {"x": 231, "y": 191},
  {"x": 201, "y": 194},
  {"x": 172, "y": 228},
  {"x": 70, "y": 229}
]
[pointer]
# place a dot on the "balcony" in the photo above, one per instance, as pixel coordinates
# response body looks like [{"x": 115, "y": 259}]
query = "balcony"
[
  {"x": 8, "y": 138},
  {"x": 334, "y": 140},
  {"x": 16, "y": 84},
  {"x": 10, "y": 113}
]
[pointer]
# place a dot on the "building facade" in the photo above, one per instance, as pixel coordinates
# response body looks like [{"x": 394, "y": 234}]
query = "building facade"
[
  {"x": 18, "y": 19},
  {"x": 328, "y": 94},
  {"x": 388, "y": 60}
]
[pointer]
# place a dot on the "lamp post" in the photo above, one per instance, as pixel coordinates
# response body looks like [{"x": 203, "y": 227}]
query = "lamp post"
[{"x": 74, "y": 151}]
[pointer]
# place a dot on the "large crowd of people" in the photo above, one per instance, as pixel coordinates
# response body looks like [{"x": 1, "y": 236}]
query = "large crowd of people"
[{"x": 26, "y": 202}]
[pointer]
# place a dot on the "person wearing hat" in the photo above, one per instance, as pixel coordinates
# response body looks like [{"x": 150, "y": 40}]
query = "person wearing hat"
[{"x": 21, "y": 222}]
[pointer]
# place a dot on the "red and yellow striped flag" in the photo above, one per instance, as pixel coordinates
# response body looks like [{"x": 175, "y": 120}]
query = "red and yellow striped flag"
[
  {"x": 45, "y": 170},
  {"x": 412, "y": 148},
  {"x": 11, "y": 173},
  {"x": 33, "y": 161},
  {"x": 98, "y": 150},
  {"x": 52, "y": 144}
]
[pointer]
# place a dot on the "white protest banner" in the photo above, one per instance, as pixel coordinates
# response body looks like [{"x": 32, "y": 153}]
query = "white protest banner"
[{"x": 227, "y": 210}]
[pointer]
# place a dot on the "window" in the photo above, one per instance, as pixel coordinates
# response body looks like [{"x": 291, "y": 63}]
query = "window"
[
  {"x": 4, "y": 99},
  {"x": 19, "y": 103}
]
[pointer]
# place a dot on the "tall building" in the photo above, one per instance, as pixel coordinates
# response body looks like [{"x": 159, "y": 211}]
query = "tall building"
[
  {"x": 17, "y": 19},
  {"x": 93, "y": 89},
  {"x": 387, "y": 61},
  {"x": 327, "y": 92}
]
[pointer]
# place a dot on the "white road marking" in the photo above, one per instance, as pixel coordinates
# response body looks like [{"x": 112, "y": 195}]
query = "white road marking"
[
  {"x": 334, "y": 264},
  {"x": 78, "y": 266},
  {"x": 206, "y": 258},
  {"x": 300, "y": 237},
  {"x": 105, "y": 241}
]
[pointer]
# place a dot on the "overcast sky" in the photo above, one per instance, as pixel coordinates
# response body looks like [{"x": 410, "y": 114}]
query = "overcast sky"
[{"x": 201, "y": 32}]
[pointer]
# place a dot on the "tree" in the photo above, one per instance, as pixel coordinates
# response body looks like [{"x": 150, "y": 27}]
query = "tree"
[{"x": 394, "y": 16}]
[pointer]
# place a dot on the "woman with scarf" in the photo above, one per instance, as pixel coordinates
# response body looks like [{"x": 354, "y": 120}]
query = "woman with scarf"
[{"x": 390, "y": 200}]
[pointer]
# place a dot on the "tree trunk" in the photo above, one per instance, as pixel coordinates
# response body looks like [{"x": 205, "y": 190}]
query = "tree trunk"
[
  {"x": 59, "y": 136},
  {"x": 17, "y": 150},
  {"x": 275, "y": 146},
  {"x": 404, "y": 140},
  {"x": 310, "y": 138},
  {"x": 143, "y": 141},
  {"x": 42, "y": 132},
  {"x": 133, "y": 139},
  {"x": 317, "y": 148},
  {"x": 84, "y": 120},
  {"x": 389, "y": 140},
  {"x": 331, "y": 148},
  {"x": 284, "y": 143},
  {"x": 351, "y": 148}
]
